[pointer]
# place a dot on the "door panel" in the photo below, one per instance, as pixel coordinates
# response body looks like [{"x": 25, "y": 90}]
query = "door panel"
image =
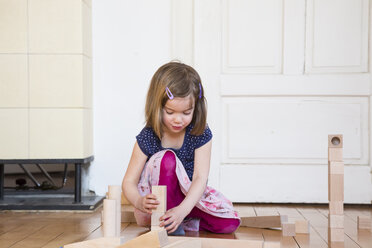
[{"x": 279, "y": 77}]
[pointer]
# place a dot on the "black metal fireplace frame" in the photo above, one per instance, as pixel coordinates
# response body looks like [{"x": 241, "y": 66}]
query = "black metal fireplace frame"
[{"x": 77, "y": 162}]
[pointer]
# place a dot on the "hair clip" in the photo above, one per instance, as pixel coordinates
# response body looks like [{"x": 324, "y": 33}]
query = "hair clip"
[
  {"x": 200, "y": 91},
  {"x": 169, "y": 93}
]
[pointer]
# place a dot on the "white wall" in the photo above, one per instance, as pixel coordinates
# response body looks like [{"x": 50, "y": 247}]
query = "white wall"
[{"x": 131, "y": 39}]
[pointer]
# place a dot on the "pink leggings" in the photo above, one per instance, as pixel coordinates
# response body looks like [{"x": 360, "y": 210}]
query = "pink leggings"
[{"x": 175, "y": 196}]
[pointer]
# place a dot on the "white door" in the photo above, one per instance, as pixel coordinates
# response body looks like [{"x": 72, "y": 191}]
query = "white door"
[{"x": 279, "y": 77}]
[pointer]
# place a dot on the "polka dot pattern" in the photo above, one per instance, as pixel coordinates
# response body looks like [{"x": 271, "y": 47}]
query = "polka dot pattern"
[{"x": 150, "y": 144}]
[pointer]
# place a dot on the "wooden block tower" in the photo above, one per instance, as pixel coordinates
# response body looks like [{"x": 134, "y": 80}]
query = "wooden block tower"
[
  {"x": 161, "y": 195},
  {"x": 335, "y": 189}
]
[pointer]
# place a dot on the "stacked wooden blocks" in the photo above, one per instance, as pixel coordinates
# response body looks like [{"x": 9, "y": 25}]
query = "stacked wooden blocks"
[
  {"x": 335, "y": 189},
  {"x": 111, "y": 217},
  {"x": 364, "y": 222},
  {"x": 161, "y": 196},
  {"x": 127, "y": 210}
]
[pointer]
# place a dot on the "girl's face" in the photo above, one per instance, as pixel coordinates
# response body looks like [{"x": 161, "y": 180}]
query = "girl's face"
[{"x": 177, "y": 114}]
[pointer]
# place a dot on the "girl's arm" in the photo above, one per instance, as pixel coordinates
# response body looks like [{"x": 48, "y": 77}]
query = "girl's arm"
[
  {"x": 200, "y": 177},
  {"x": 131, "y": 179},
  {"x": 199, "y": 182}
]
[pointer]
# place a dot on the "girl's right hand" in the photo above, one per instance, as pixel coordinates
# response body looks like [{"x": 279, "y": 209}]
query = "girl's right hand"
[{"x": 147, "y": 203}]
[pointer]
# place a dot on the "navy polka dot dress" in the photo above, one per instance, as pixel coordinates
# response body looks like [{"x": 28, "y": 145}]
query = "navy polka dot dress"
[{"x": 150, "y": 144}]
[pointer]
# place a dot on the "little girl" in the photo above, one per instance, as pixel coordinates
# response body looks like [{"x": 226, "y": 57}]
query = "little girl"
[{"x": 174, "y": 149}]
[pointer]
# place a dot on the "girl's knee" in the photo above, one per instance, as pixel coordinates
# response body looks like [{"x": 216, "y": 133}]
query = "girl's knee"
[{"x": 168, "y": 161}]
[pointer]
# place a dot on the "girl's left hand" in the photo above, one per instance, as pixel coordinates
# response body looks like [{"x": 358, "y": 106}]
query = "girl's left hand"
[{"x": 173, "y": 218}]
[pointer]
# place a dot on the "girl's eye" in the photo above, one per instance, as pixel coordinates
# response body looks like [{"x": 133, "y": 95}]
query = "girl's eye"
[
  {"x": 186, "y": 113},
  {"x": 169, "y": 113}
]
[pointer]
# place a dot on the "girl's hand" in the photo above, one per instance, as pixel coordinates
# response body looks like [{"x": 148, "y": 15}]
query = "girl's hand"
[
  {"x": 173, "y": 218},
  {"x": 147, "y": 203}
]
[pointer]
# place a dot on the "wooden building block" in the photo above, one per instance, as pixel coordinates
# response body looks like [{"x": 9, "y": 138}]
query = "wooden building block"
[
  {"x": 364, "y": 222},
  {"x": 128, "y": 217},
  {"x": 127, "y": 214},
  {"x": 336, "y": 187},
  {"x": 124, "y": 200},
  {"x": 110, "y": 242},
  {"x": 155, "y": 216},
  {"x": 161, "y": 195},
  {"x": 335, "y": 167},
  {"x": 271, "y": 221},
  {"x": 335, "y": 140},
  {"x": 222, "y": 243},
  {"x": 302, "y": 226},
  {"x": 335, "y": 154},
  {"x": 335, "y": 221},
  {"x": 269, "y": 244},
  {"x": 336, "y": 207},
  {"x": 109, "y": 218},
  {"x": 336, "y": 244},
  {"x": 288, "y": 229},
  {"x": 194, "y": 243},
  {"x": 114, "y": 193},
  {"x": 158, "y": 238},
  {"x": 335, "y": 235}
]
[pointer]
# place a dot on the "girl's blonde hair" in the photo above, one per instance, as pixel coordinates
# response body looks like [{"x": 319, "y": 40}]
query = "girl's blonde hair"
[{"x": 182, "y": 81}]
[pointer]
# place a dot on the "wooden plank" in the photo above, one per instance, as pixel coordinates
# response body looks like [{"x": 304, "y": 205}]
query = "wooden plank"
[
  {"x": 302, "y": 226},
  {"x": 364, "y": 222},
  {"x": 108, "y": 242},
  {"x": 41, "y": 237},
  {"x": 320, "y": 223},
  {"x": 222, "y": 243},
  {"x": 158, "y": 238},
  {"x": 194, "y": 243},
  {"x": 275, "y": 236},
  {"x": 303, "y": 240},
  {"x": 244, "y": 210},
  {"x": 124, "y": 200},
  {"x": 361, "y": 237},
  {"x": 264, "y": 221}
]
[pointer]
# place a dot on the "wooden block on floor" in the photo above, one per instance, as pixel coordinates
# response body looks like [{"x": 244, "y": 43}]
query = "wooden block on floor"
[
  {"x": 158, "y": 238},
  {"x": 222, "y": 243},
  {"x": 194, "y": 243},
  {"x": 335, "y": 235},
  {"x": 269, "y": 244},
  {"x": 161, "y": 195},
  {"x": 336, "y": 207},
  {"x": 288, "y": 229},
  {"x": 335, "y": 140},
  {"x": 128, "y": 216},
  {"x": 335, "y": 154},
  {"x": 336, "y": 244},
  {"x": 109, "y": 218},
  {"x": 124, "y": 200},
  {"x": 336, "y": 187},
  {"x": 335, "y": 221},
  {"x": 335, "y": 167},
  {"x": 364, "y": 222},
  {"x": 156, "y": 228},
  {"x": 302, "y": 226},
  {"x": 109, "y": 242},
  {"x": 271, "y": 221}
]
